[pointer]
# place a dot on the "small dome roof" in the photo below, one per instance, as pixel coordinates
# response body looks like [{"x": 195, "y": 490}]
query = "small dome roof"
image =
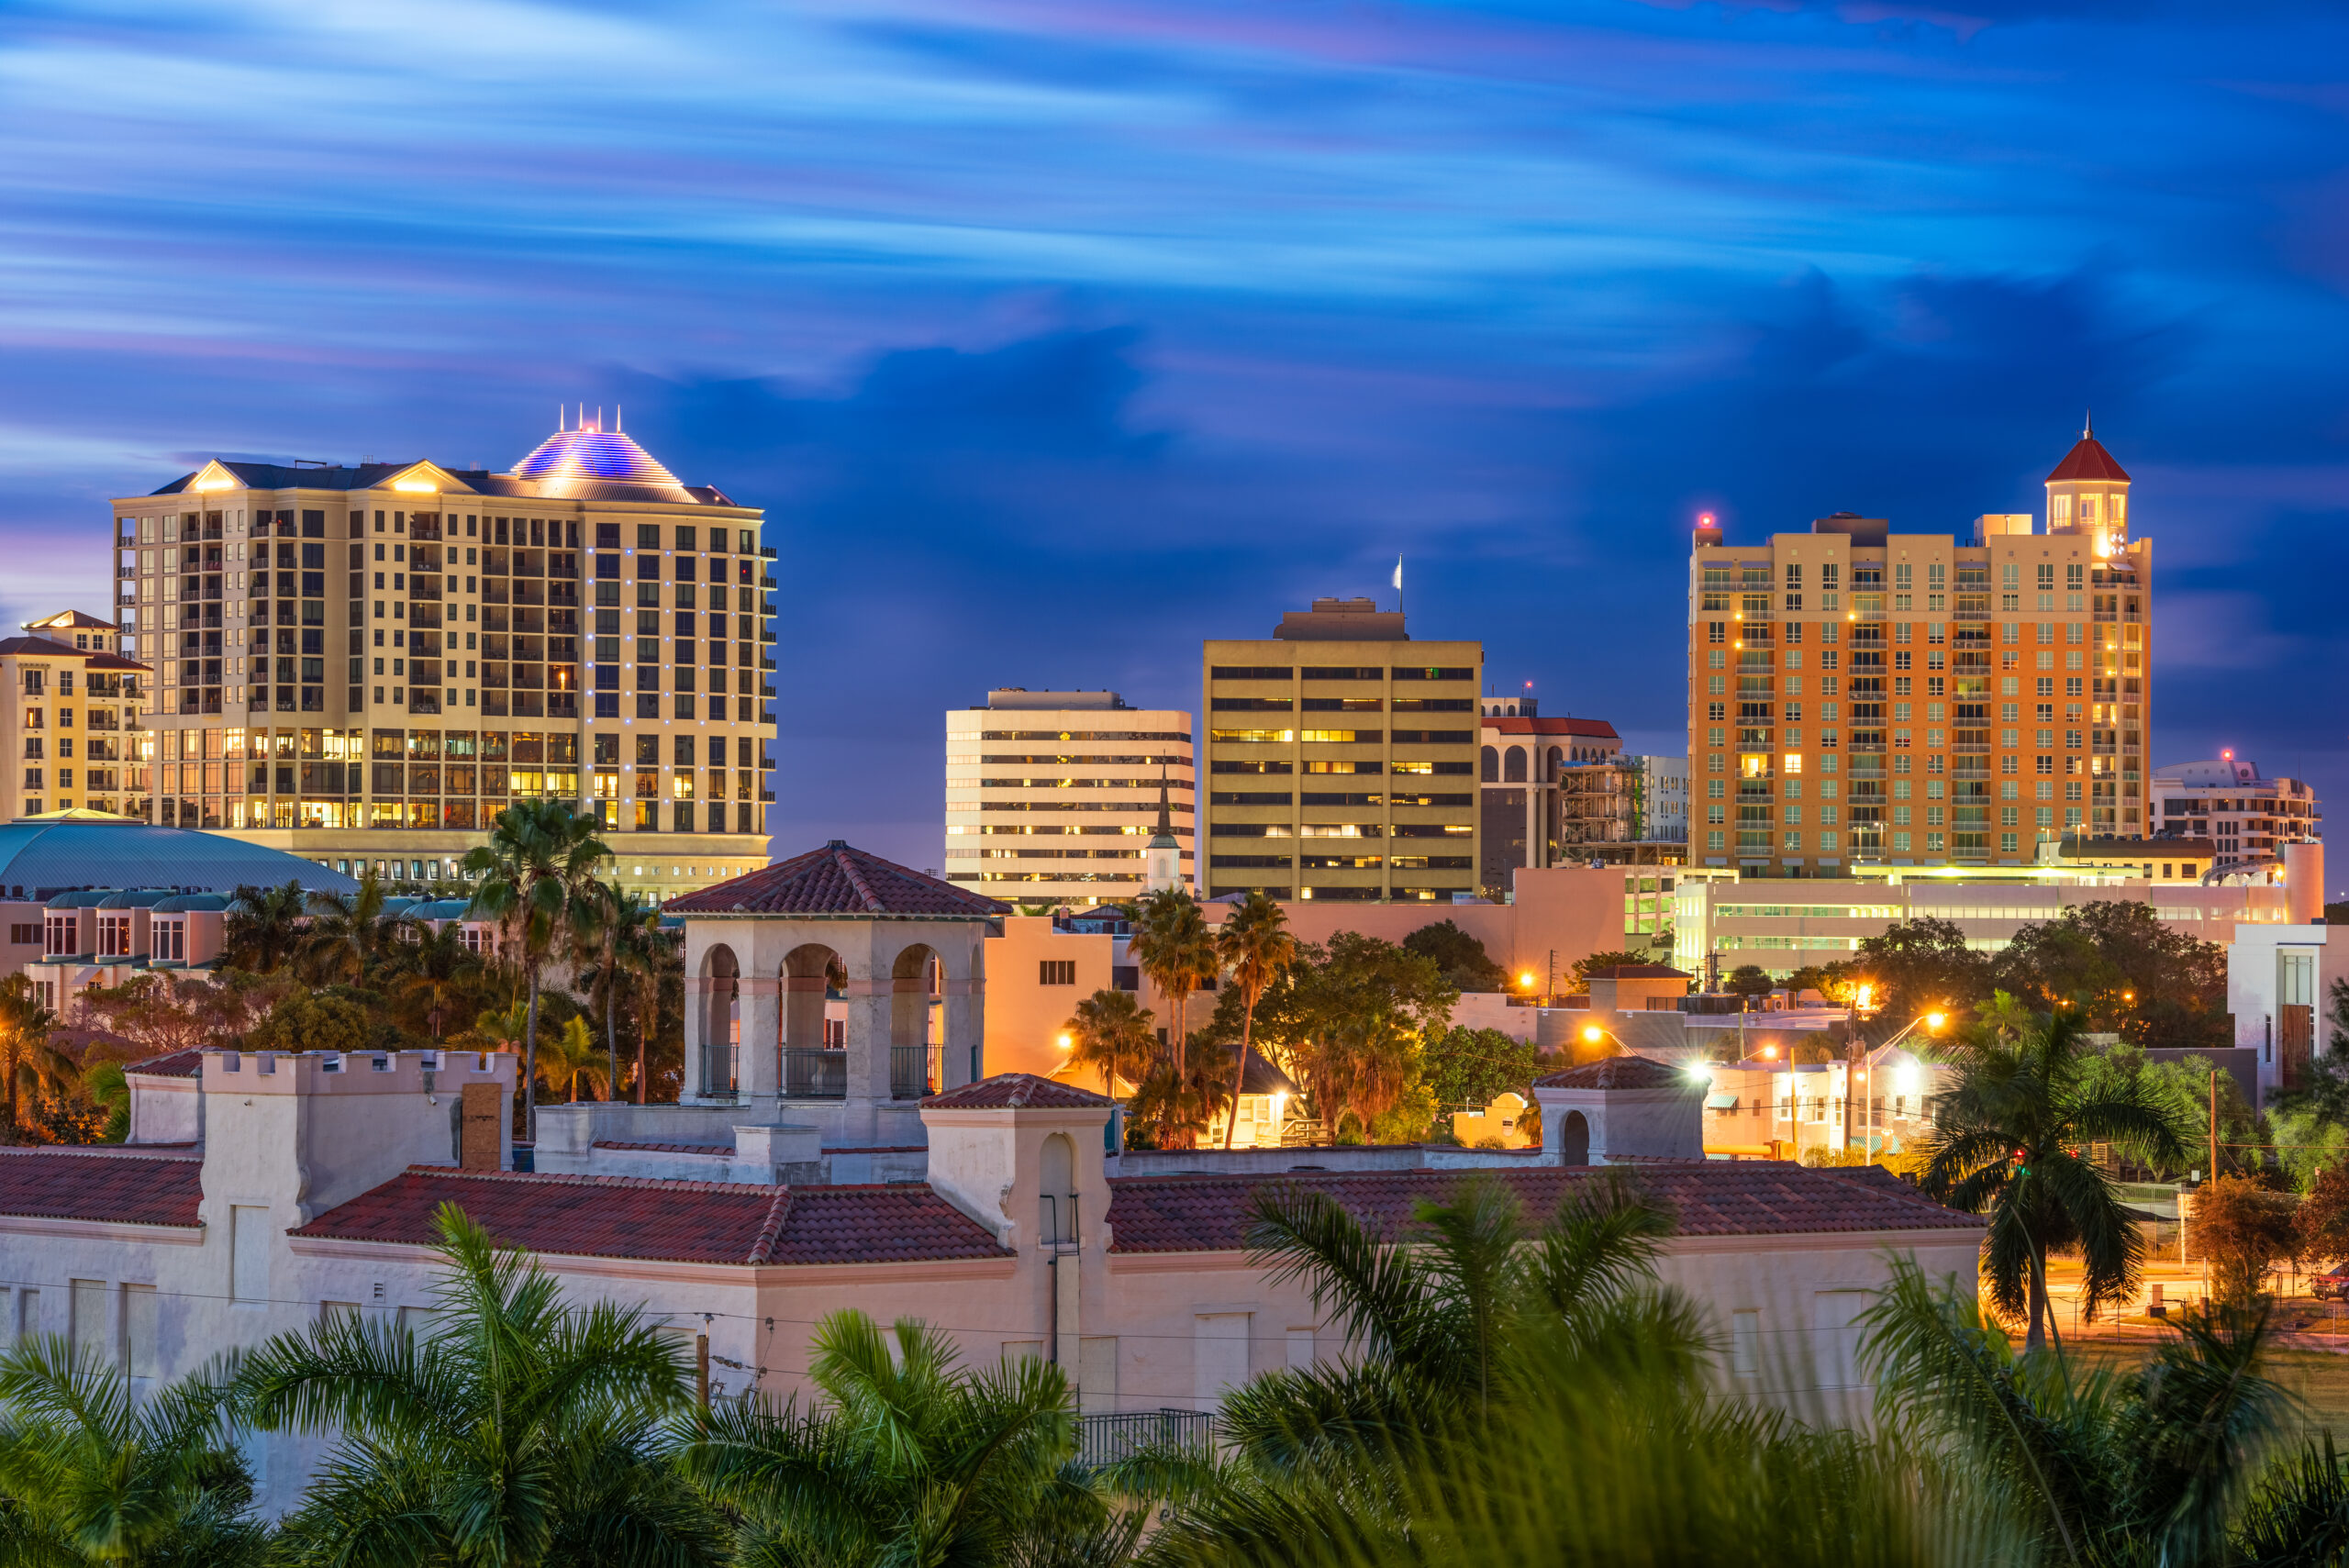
[
  {"x": 592, "y": 454},
  {"x": 45, "y": 857}
]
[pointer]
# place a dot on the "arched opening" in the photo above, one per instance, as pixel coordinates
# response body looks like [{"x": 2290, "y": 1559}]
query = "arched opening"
[
  {"x": 1573, "y": 1139},
  {"x": 1513, "y": 765},
  {"x": 721, "y": 1024},
  {"x": 812, "y": 1055},
  {"x": 1492, "y": 765},
  {"x": 1056, "y": 1187},
  {"x": 1556, "y": 765},
  {"x": 915, "y": 1055}
]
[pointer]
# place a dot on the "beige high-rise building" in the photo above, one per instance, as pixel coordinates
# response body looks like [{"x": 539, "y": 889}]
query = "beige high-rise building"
[
  {"x": 72, "y": 710},
  {"x": 362, "y": 666},
  {"x": 1052, "y": 796},
  {"x": 1861, "y": 696},
  {"x": 1342, "y": 760}
]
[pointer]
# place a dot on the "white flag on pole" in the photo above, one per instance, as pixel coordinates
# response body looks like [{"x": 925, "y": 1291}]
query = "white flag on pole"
[{"x": 1399, "y": 573}]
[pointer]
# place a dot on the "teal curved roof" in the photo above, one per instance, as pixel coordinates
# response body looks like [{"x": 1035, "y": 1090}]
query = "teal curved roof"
[{"x": 40, "y": 860}]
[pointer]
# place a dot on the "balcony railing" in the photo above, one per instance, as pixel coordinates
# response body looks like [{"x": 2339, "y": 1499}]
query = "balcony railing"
[
  {"x": 1108, "y": 1439},
  {"x": 813, "y": 1074},
  {"x": 916, "y": 1071}
]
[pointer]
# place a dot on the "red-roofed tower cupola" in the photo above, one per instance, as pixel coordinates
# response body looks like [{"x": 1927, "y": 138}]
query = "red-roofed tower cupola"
[{"x": 2089, "y": 493}]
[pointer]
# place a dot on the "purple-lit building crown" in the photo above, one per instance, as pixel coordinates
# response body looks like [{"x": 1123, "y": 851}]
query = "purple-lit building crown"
[{"x": 592, "y": 454}]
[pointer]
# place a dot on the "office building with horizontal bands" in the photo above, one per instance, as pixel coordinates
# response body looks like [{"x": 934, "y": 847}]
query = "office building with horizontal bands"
[
  {"x": 362, "y": 666},
  {"x": 1341, "y": 760},
  {"x": 1860, "y": 695},
  {"x": 71, "y": 711},
  {"x": 1052, "y": 796}
]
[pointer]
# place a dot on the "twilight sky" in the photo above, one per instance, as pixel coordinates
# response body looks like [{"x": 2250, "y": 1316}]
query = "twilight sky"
[{"x": 1055, "y": 337}]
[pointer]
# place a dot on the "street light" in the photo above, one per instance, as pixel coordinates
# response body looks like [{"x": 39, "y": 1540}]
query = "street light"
[{"x": 1933, "y": 1022}]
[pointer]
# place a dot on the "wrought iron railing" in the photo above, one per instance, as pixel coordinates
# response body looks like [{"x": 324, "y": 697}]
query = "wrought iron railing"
[
  {"x": 1107, "y": 1438},
  {"x": 916, "y": 1071},
  {"x": 813, "y": 1074},
  {"x": 718, "y": 1078}
]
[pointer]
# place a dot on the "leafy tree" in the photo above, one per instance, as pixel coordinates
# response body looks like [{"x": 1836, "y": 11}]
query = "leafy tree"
[
  {"x": 265, "y": 927},
  {"x": 1591, "y": 963},
  {"x": 520, "y": 1431},
  {"x": 1254, "y": 946},
  {"x": 92, "y": 1473},
  {"x": 28, "y": 1063},
  {"x": 2010, "y": 1133},
  {"x": 619, "y": 936},
  {"x": 2323, "y": 1220},
  {"x": 502, "y": 1028},
  {"x": 1920, "y": 966},
  {"x": 1112, "y": 1036},
  {"x": 1468, "y": 1067},
  {"x": 2241, "y": 1230},
  {"x": 2139, "y": 1468},
  {"x": 537, "y": 872},
  {"x": 910, "y": 1460},
  {"x": 310, "y": 1021},
  {"x": 160, "y": 1012},
  {"x": 1749, "y": 980},
  {"x": 1349, "y": 1021},
  {"x": 2118, "y": 964},
  {"x": 1466, "y": 964}
]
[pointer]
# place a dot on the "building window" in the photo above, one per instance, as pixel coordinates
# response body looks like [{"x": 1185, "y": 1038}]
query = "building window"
[{"x": 1056, "y": 972}]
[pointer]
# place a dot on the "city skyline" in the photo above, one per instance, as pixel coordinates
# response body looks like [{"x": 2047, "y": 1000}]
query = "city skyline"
[{"x": 1505, "y": 296}]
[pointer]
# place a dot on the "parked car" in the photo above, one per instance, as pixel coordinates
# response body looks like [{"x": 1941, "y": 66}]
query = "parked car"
[{"x": 2331, "y": 1285}]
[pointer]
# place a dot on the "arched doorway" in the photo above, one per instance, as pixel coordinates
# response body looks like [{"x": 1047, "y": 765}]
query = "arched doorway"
[
  {"x": 915, "y": 1056},
  {"x": 1056, "y": 1187},
  {"x": 721, "y": 1024},
  {"x": 1573, "y": 1139},
  {"x": 1513, "y": 765},
  {"x": 812, "y": 1056}
]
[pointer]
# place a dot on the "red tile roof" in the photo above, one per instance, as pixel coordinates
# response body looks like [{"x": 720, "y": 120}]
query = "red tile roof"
[
  {"x": 688, "y": 1222},
  {"x": 1755, "y": 1198},
  {"x": 2087, "y": 460},
  {"x": 101, "y": 1183},
  {"x": 178, "y": 1064},
  {"x": 837, "y": 880},
  {"x": 1511, "y": 724},
  {"x": 1015, "y": 1091},
  {"x": 1621, "y": 1072}
]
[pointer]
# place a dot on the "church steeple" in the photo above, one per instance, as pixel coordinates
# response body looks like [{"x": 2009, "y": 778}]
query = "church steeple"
[{"x": 1162, "y": 861}]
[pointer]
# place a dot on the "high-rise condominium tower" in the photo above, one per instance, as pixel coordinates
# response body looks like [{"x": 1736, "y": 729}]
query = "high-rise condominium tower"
[
  {"x": 1341, "y": 759},
  {"x": 1858, "y": 694},
  {"x": 363, "y": 666},
  {"x": 1053, "y": 796}
]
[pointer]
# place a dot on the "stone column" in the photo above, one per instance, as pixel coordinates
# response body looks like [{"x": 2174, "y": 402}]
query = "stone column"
[
  {"x": 761, "y": 1007},
  {"x": 696, "y": 1013}
]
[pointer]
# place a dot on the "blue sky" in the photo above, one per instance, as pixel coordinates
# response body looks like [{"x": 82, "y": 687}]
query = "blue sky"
[{"x": 1056, "y": 337}]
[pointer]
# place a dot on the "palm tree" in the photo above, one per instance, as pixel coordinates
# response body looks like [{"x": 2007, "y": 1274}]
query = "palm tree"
[
  {"x": 522, "y": 1432},
  {"x": 1112, "y": 1035},
  {"x": 910, "y": 1461},
  {"x": 1256, "y": 946},
  {"x": 535, "y": 875},
  {"x": 264, "y": 930},
  {"x": 571, "y": 1057},
  {"x": 503, "y": 1027},
  {"x": 1173, "y": 946},
  {"x": 431, "y": 971},
  {"x": 648, "y": 958},
  {"x": 2006, "y": 1136},
  {"x": 2101, "y": 1466},
  {"x": 348, "y": 934},
  {"x": 606, "y": 947},
  {"x": 92, "y": 1472},
  {"x": 28, "y": 1061}
]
